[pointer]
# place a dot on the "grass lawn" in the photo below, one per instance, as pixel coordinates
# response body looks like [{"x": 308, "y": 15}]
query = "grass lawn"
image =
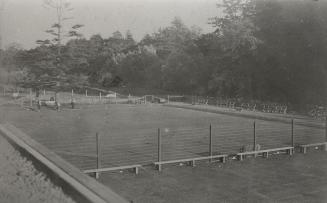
[
  {"x": 128, "y": 135},
  {"x": 300, "y": 178}
]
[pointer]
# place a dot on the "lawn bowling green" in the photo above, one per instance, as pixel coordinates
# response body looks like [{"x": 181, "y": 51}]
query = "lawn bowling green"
[{"x": 128, "y": 134}]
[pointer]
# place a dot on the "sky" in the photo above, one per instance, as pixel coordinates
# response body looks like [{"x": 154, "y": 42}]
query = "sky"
[{"x": 24, "y": 21}]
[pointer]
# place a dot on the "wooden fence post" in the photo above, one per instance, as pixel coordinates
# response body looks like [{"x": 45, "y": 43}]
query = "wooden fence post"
[
  {"x": 292, "y": 131},
  {"x": 97, "y": 174},
  {"x": 31, "y": 100},
  {"x": 326, "y": 133},
  {"x": 292, "y": 137},
  {"x": 254, "y": 138},
  {"x": 210, "y": 142},
  {"x": 100, "y": 96},
  {"x": 159, "y": 149},
  {"x": 86, "y": 93}
]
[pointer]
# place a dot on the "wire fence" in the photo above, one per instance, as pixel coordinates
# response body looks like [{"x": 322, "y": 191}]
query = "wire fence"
[
  {"x": 150, "y": 145},
  {"x": 28, "y": 97},
  {"x": 111, "y": 149}
]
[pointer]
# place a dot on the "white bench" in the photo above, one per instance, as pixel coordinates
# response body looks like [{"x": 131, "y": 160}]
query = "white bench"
[
  {"x": 191, "y": 160},
  {"x": 265, "y": 152},
  {"x": 303, "y": 148},
  {"x": 99, "y": 170}
]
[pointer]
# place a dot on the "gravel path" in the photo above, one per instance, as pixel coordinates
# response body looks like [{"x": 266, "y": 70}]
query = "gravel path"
[{"x": 21, "y": 182}]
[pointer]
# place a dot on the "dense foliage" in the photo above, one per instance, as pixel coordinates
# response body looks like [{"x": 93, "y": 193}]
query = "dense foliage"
[{"x": 266, "y": 50}]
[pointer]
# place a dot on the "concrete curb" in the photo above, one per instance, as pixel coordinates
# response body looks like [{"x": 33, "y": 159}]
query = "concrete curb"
[{"x": 85, "y": 186}]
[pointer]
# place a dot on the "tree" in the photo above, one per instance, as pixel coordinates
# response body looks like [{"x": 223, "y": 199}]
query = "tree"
[
  {"x": 237, "y": 43},
  {"x": 2, "y": 7},
  {"x": 236, "y": 27},
  {"x": 117, "y": 35},
  {"x": 292, "y": 59},
  {"x": 179, "y": 56},
  {"x": 57, "y": 30},
  {"x": 8, "y": 61},
  {"x": 58, "y": 33},
  {"x": 129, "y": 37}
]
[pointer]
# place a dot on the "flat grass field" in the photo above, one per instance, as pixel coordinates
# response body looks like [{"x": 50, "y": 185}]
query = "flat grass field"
[{"x": 129, "y": 135}]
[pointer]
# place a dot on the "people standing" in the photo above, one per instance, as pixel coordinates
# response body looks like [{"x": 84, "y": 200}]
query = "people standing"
[
  {"x": 72, "y": 102},
  {"x": 39, "y": 105}
]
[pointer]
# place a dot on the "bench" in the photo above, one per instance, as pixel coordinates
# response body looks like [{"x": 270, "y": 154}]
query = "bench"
[
  {"x": 238, "y": 108},
  {"x": 265, "y": 152},
  {"x": 192, "y": 160},
  {"x": 303, "y": 148},
  {"x": 97, "y": 171}
]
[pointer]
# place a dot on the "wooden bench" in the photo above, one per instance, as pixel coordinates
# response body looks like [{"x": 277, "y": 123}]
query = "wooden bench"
[
  {"x": 98, "y": 171},
  {"x": 191, "y": 160},
  {"x": 303, "y": 148},
  {"x": 238, "y": 108},
  {"x": 265, "y": 152}
]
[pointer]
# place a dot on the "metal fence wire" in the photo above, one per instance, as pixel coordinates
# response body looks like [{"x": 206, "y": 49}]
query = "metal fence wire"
[
  {"x": 113, "y": 149},
  {"x": 306, "y": 134},
  {"x": 184, "y": 143},
  {"x": 227, "y": 140},
  {"x": 135, "y": 148}
]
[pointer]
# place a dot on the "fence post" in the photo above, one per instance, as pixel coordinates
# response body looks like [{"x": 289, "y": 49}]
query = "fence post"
[
  {"x": 210, "y": 142},
  {"x": 159, "y": 149},
  {"x": 72, "y": 93},
  {"x": 100, "y": 96},
  {"x": 86, "y": 93},
  {"x": 97, "y": 174},
  {"x": 31, "y": 101},
  {"x": 168, "y": 99},
  {"x": 254, "y": 138},
  {"x": 292, "y": 134},
  {"x": 326, "y": 133}
]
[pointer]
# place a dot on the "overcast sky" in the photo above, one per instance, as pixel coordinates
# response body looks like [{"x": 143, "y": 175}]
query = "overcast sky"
[{"x": 24, "y": 21}]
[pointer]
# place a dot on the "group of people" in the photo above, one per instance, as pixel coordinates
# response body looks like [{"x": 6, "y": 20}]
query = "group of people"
[
  {"x": 52, "y": 102},
  {"x": 56, "y": 104}
]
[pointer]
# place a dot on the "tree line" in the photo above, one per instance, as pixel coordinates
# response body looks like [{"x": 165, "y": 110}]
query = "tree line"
[{"x": 260, "y": 50}]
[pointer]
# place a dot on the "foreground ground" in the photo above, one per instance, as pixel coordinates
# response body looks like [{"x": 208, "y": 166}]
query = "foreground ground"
[
  {"x": 301, "y": 178},
  {"x": 21, "y": 182}
]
